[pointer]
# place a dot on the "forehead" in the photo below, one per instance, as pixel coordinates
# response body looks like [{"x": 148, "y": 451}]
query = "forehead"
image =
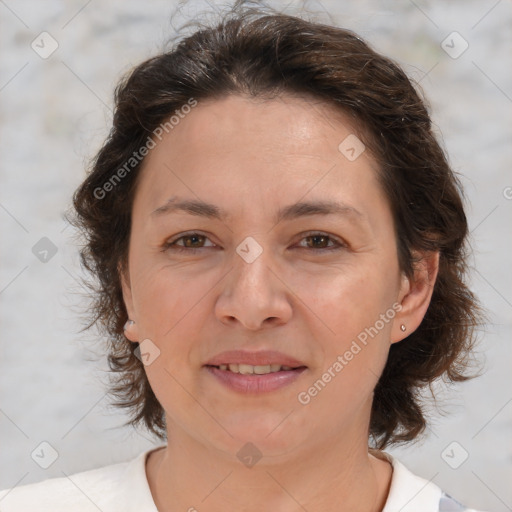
[
  {"x": 284, "y": 124},
  {"x": 252, "y": 149}
]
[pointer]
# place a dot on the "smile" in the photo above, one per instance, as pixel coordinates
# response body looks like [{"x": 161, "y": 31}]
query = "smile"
[
  {"x": 248, "y": 379},
  {"x": 248, "y": 369}
]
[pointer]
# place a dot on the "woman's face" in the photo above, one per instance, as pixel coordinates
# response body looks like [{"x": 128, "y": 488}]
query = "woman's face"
[{"x": 295, "y": 254}]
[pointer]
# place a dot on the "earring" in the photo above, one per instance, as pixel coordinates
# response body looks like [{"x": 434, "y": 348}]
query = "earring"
[
  {"x": 402, "y": 328},
  {"x": 128, "y": 324}
]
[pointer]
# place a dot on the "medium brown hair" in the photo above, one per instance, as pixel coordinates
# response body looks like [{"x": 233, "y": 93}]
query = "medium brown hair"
[{"x": 255, "y": 53}]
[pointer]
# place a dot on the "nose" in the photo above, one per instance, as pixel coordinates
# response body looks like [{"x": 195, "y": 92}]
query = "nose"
[{"x": 254, "y": 295}]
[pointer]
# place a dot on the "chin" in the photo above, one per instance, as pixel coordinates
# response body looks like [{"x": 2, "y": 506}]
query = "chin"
[{"x": 271, "y": 435}]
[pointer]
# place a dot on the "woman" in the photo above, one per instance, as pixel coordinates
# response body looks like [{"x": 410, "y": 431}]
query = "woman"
[{"x": 280, "y": 246}]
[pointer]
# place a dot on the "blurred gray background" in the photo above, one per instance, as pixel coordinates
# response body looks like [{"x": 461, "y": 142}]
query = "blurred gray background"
[{"x": 55, "y": 110}]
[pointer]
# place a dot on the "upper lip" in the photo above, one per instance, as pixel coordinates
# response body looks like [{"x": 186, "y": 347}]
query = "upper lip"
[{"x": 260, "y": 358}]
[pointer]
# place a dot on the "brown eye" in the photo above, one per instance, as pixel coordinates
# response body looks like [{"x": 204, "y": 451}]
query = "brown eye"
[
  {"x": 188, "y": 242},
  {"x": 192, "y": 240},
  {"x": 319, "y": 241}
]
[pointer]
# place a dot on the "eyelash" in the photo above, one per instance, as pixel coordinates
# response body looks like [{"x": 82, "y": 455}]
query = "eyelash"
[{"x": 170, "y": 245}]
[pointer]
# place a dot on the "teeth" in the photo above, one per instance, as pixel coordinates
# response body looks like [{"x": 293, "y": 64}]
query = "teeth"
[
  {"x": 261, "y": 370},
  {"x": 244, "y": 369},
  {"x": 248, "y": 369}
]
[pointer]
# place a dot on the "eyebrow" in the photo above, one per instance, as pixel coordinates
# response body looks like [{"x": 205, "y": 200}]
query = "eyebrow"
[{"x": 290, "y": 212}]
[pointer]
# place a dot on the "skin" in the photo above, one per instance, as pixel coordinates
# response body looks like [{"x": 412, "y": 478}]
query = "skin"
[{"x": 252, "y": 157}]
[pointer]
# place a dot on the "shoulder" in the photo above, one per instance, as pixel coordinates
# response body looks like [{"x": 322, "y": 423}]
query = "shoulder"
[
  {"x": 107, "y": 488},
  {"x": 84, "y": 491},
  {"x": 411, "y": 493}
]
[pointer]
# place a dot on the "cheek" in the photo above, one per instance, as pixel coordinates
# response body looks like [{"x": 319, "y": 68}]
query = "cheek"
[
  {"x": 355, "y": 348},
  {"x": 353, "y": 315},
  {"x": 166, "y": 298},
  {"x": 348, "y": 299}
]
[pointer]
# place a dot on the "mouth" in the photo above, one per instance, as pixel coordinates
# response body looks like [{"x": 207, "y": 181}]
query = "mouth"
[
  {"x": 269, "y": 371},
  {"x": 256, "y": 362},
  {"x": 248, "y": 369},
  {"x": 253, "y": 372}
]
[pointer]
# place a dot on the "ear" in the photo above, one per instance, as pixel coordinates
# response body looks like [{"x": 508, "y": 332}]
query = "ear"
[
  {"x": 415, "y": 294},
  {"x": 131, "y": 331}
]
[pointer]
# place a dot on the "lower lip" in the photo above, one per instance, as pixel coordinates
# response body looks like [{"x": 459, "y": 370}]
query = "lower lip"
[{"x": 255, "y": 383}]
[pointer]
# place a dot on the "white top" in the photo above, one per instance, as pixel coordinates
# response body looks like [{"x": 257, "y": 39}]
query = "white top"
[{"x": 124, "y": 487}]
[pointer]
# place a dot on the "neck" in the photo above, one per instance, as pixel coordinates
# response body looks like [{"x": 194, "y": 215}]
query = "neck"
[{"x": 330, "y": 476}]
